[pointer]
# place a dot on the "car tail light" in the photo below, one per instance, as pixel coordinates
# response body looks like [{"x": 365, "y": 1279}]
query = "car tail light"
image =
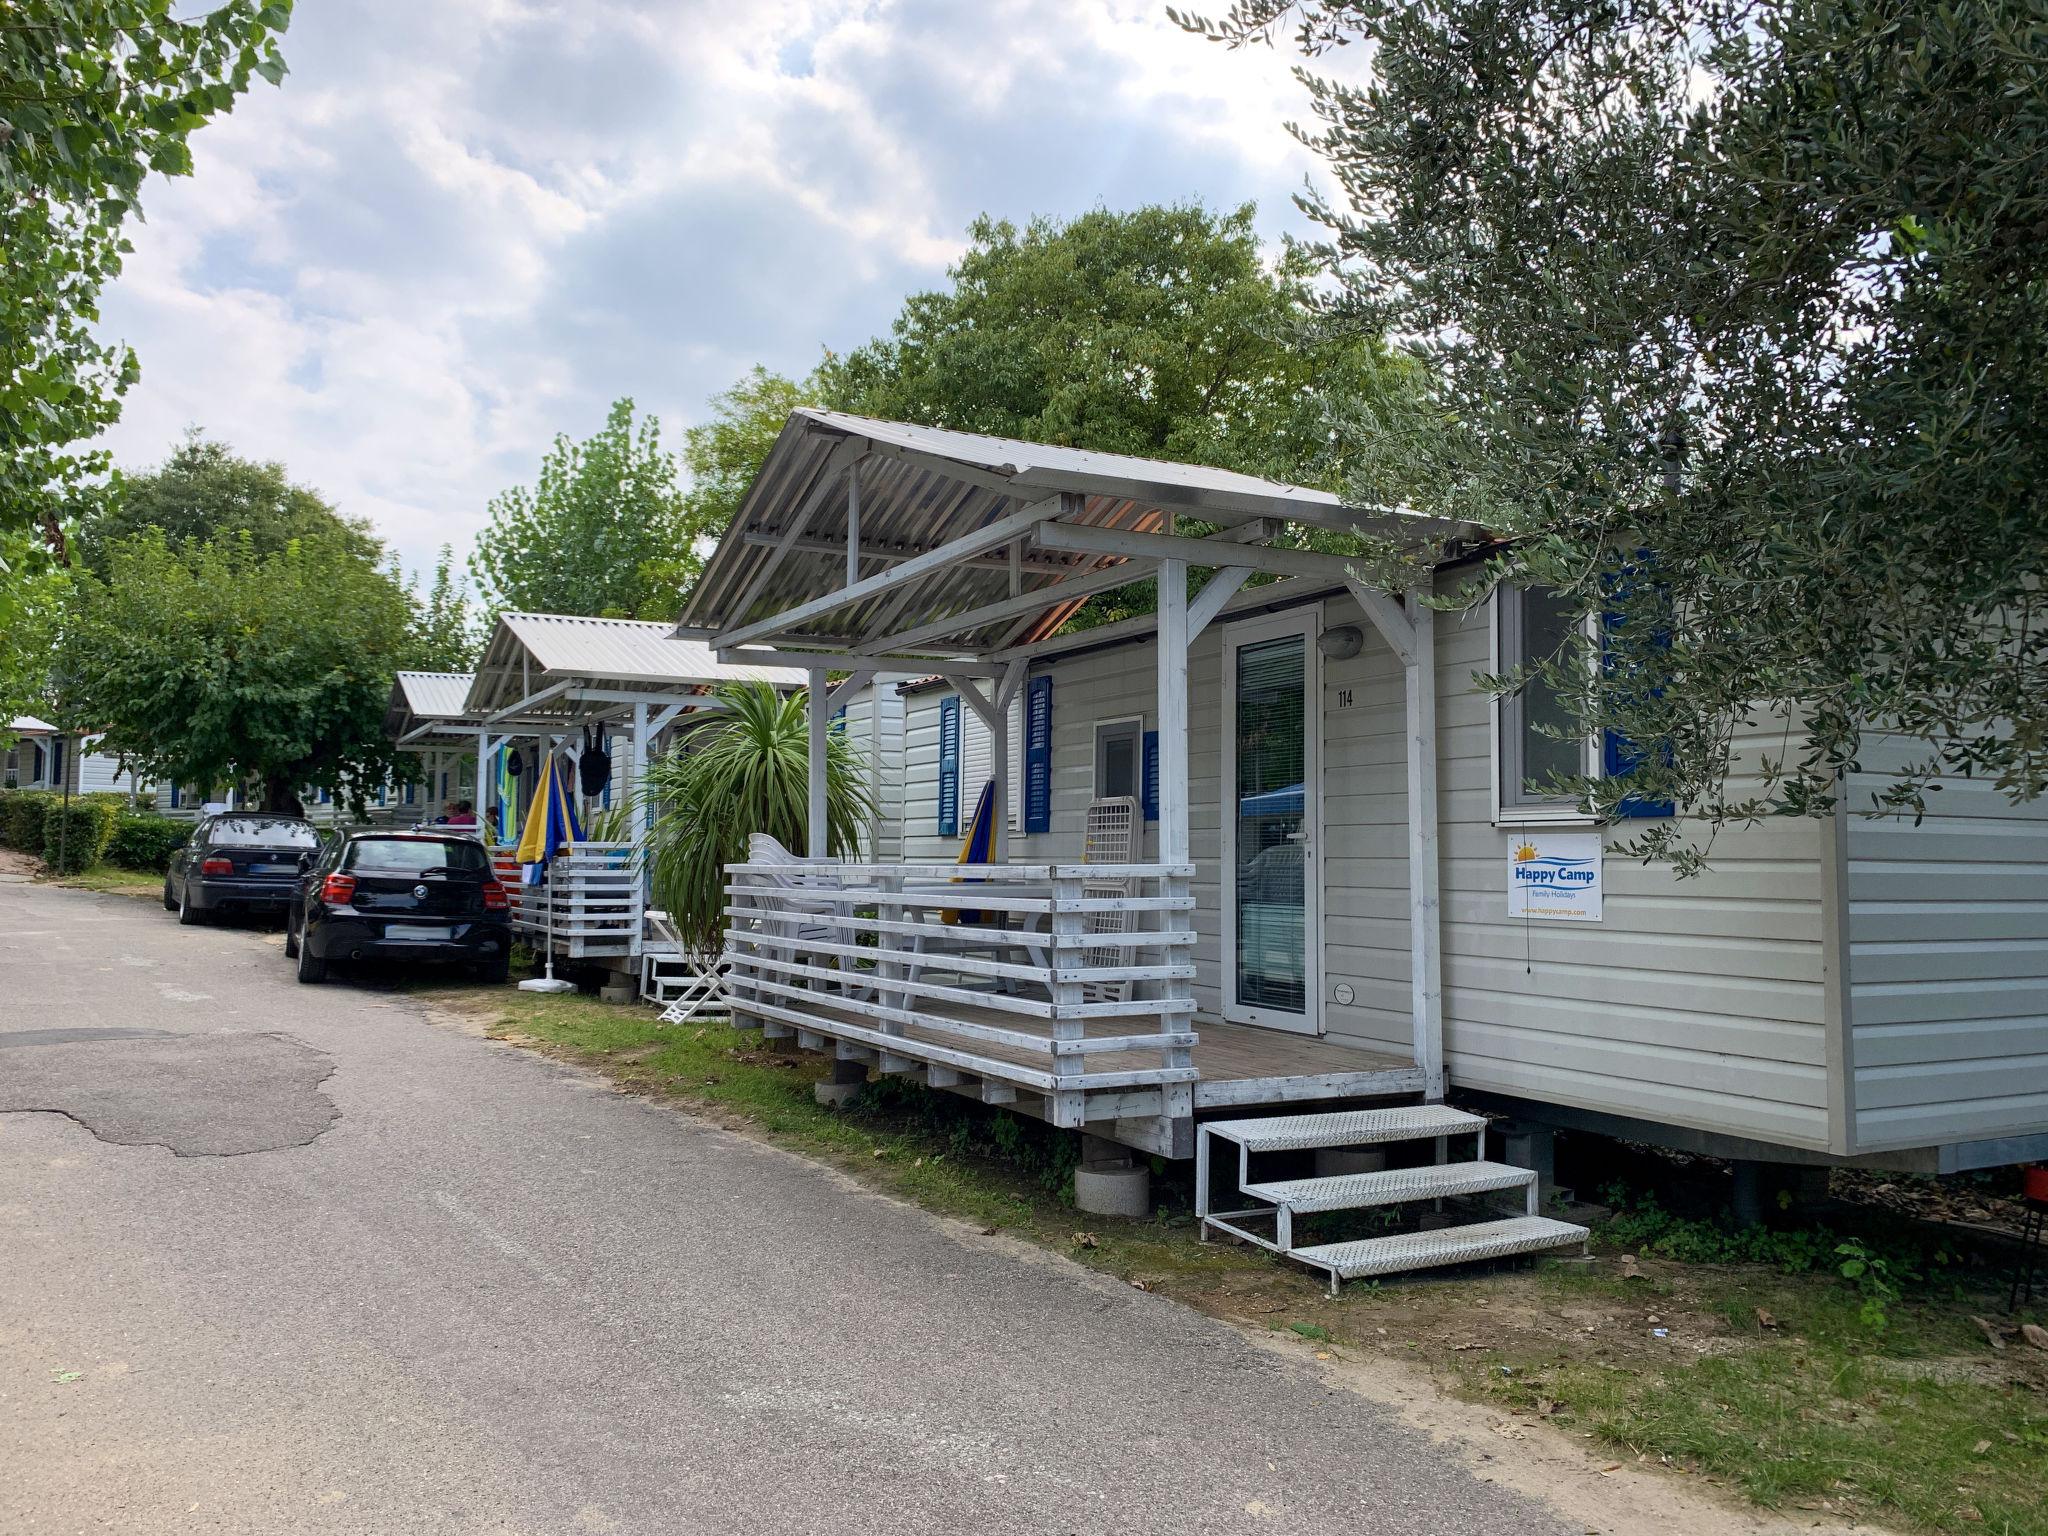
[
  {"x": 338, "y": 889},
  {"x": 495, "y": 899},
  {"x": 217, "y": 867}
]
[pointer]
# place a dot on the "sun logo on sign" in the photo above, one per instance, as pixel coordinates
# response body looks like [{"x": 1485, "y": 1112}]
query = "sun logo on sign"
[{"x": 1524, "y": 854}]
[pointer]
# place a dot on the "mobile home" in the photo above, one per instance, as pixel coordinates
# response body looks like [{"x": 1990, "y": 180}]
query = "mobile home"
[{"x": 1338, "y": 886}]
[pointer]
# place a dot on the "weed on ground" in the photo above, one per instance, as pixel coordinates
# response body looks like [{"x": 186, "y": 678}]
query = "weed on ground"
[{"x": 1749, "y": 1361}]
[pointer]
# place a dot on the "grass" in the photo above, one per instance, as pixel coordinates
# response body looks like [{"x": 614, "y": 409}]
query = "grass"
[
  {"x": 111, "y": 877},
  {"x": 1814, "y": 1413},
  {"x": 1824, "y": 1410}
]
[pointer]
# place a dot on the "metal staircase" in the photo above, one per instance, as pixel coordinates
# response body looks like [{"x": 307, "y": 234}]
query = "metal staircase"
[{"x": 1284, "y": 1199}]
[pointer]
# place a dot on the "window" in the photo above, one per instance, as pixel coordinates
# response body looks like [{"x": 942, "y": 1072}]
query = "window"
[
  {"x": 1118, "y": 745},
  {"x": 415, "y": 855},
  {"x": 1533, "y": 624},
  {"x": 260, "y": 832}
]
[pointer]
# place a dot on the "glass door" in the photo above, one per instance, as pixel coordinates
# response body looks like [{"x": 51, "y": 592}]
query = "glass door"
[{"x": 1272, "y": 798}]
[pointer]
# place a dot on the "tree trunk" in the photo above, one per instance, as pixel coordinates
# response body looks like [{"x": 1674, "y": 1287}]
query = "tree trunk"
[{"x": 278, "y": 796}]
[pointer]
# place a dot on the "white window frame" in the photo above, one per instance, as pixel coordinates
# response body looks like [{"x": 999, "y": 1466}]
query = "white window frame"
[
  {"x": 1555, "y": 813},
  {"x": 1306, "y": 622},
  {"x": 1095, "y": 730}
]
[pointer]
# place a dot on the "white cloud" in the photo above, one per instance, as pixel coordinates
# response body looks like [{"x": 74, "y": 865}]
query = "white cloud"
[{"x": 459, "y": 229}]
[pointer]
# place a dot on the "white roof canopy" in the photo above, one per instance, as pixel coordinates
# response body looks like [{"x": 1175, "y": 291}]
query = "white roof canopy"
[
  {"x": 558, "y": 669},
  {"x": 864, "y": 542}
]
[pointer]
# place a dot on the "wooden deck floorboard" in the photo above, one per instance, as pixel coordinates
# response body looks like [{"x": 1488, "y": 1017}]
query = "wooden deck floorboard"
[{"x": 1224, "y": 1052}]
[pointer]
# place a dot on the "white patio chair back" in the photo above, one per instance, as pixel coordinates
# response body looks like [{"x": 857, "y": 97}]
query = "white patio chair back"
[
  {"x": 1109, "y": 836},
  {"x": 788, "y": 872},
  {"x": 1111, "y": 832}
]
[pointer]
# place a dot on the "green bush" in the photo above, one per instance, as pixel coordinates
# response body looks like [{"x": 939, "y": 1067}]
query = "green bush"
[
  {"x": 25, "y": 811},
  {"x": 75, "y": 836},
  {"x": 145, "y": 841}
]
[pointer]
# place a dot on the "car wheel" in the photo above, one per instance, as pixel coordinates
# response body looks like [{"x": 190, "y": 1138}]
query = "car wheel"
[
  {"x": 170, "y": 901},
  {"x": 312, "y": 969},
  {"x": 189, "y": 916},
  {"x": 291, "y": 938},
  {"x": 495, "y": 972}
]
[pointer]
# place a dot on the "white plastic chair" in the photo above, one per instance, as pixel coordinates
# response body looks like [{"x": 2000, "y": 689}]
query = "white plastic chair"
[
  {"x": 801, "y": 875},
  {"x": 702, "y": 989},
  {"x": 1109, "y": 836}
]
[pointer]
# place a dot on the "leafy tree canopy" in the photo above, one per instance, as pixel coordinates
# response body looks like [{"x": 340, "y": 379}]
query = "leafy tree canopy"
[
  {"x": 602, "y": 533},
  {"x": 724, "y": 454},
  {"x": 1162, "y": 332},
  {"x": 444, "y": 633},
  {"x": 94, "y": 95},
  {"x": 205, "y": 494},
  {"x": 213, "y": 664},
  {"x": 1735, "y": 314},
  {"x": 30, "y": 605}
]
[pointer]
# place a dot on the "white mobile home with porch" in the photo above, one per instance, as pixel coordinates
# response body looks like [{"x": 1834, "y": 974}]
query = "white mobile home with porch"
[{"x": 1324, "y": 904}]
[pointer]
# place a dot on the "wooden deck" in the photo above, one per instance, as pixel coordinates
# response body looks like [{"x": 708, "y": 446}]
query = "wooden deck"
[{"x": 1073, "y": 1001}]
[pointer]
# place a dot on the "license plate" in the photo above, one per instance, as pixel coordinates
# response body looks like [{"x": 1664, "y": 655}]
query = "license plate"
[
  {"x": 418, "y": 933},
  {"x": 273, "y": 869}
]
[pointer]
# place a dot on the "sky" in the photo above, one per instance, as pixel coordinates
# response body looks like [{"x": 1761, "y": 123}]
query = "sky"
[{"x": 463, "y": 226}]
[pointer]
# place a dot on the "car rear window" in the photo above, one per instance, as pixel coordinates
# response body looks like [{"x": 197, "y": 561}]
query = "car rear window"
[
  {"x": 410, "y": 855},
  {"x": 261, "y": 832}
]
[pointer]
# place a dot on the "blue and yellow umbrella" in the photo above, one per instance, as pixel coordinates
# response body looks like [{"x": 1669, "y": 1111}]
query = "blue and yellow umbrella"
[{"x": 551, "y": 824}]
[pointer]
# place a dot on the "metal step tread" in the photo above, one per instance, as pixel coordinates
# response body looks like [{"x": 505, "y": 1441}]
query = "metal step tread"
[
  {"x": 1346, "y": 1128},
  {"x": 1447, "y": 1245},
  {"x": 1354, "y": 1191}
]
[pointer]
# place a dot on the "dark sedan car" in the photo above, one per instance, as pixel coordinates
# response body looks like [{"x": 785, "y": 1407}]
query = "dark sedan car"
[
  {"x": 243, "y": 861},
  {"x": 400, "y": 896}
]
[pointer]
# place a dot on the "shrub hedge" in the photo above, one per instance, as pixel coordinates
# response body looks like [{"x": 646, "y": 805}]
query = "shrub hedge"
[
  {"x": 145, "y": 841},
  {"x": 22, "y": 826},
  {"x": 75, "y": 836}
]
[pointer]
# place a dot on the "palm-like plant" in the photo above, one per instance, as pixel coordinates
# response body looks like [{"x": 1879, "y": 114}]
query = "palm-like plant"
[{"x": 746, "y": 770}]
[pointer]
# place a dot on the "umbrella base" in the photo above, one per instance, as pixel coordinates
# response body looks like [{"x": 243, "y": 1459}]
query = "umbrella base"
[{"x": 547, "y": 984}]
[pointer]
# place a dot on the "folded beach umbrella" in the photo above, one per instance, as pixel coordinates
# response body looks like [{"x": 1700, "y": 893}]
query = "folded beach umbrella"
[
  {"x": 979, "y": 848},
  {"x": 551, "y": 823}
]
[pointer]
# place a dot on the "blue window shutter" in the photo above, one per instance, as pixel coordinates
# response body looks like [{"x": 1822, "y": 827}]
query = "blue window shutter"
[
  {"x": 1038, "y": 756},
  {"x": 1618, "y": 755},
  {"x": 1148, "y": 780},
  {"x": 949, "y": 767}
]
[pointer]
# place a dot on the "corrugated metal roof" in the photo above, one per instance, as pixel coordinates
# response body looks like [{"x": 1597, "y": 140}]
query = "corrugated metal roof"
[
  {"x": 421, "y": 698},
  {"x": 528, "y": 651},
  {"x": 923, "y": 487},
  {"x": 433, "y": 695}
]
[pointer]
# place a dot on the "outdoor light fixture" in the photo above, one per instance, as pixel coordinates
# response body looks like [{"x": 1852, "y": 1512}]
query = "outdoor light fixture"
[{"x": 1342, "y": 643}]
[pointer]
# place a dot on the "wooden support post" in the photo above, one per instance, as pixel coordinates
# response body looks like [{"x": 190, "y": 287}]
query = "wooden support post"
[
  {"x": 636, "y": 777},
  {"x": 1066, "y": 1108},
  {"x": 820, "y": 723},
  {"x": 1425, "y": 913},
  {"x": 1173, "y": 711},
  {"x": 999, "y": 770},
  {"x": 853, "y": 524},
  {"x": 1177, "y": 1100}
]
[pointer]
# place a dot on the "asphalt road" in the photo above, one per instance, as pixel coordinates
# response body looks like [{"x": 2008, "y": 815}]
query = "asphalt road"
[{"x": 324, "y": 1265}]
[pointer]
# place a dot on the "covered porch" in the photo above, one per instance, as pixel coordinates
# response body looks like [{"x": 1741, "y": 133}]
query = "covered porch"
[
  {"x": 1063, "y": 988},
  {"x": 546, "y": 684}
]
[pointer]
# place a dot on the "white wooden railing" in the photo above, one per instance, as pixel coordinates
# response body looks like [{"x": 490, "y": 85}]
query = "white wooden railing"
[
  {"x": 1067, "y": 965},
  {"x": 592, "y": 895}
]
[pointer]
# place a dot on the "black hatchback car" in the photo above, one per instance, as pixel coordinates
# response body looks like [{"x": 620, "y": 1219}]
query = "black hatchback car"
[
  {"x": 240, "y": 861},
  {"x": 400, "y": 896}
]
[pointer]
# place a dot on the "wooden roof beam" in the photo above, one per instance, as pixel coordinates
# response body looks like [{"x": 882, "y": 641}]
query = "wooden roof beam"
[{"x": 987, "y": 537}]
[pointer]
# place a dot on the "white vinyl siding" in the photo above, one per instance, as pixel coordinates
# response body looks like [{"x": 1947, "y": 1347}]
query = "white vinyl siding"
[
  {"x": 1698, "y": 1003},
  {"x": 1948, "y": 966},
  {"x": 1701, "y": 1003}
]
